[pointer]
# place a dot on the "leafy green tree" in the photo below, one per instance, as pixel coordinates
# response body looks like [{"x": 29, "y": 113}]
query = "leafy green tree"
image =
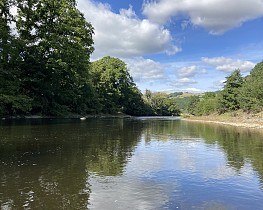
[
  {"x": 158, "y": 103},
  {"x": 115, "y": 87},
  {"x": 57, "y": 43},
  {"x": 191, "y": 104},
  {"x": 148, "y": 96},
  {"x": 161, "y": 104},
  {"x": 135, "y": 104},
  {"x": 11, "y": 100},
  {"x": 251, "y": 98},
  {"x": 172, "y": 107},
  {"x": 207, "y": 105},
  {"x": 229, "y": 97}
]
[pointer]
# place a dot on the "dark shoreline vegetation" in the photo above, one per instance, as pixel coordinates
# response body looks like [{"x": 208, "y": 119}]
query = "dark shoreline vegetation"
[{"x": 45, "y": 70}]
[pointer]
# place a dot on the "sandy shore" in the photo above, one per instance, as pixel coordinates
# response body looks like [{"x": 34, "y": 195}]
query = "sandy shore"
[{"x": 241, "y": 120}]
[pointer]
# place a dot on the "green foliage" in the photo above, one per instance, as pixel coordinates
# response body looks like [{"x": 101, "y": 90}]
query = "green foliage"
[
  {"x": 251, "y": 93},
  {"x": 187, "y": 104},
  {"x": 161, "y": 104},
  {"x": 14, "y": 105},
  {"x": 229, "y": 97},
  {"x": 193, "y": 101},
  {"x": 238, "y": 93},
  {"x": 12, "y": 101},
  {"x": 57, "y": 43},
  {"x": 115, "y": 87},
  {"x": 207, "y": 105}
]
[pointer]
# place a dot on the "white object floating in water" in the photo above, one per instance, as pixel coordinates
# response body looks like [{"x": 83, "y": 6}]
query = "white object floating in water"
[{"x": 82, "y": 118}]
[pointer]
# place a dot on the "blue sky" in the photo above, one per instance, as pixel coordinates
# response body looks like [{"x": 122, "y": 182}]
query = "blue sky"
[{"x": 178, "y": 45}]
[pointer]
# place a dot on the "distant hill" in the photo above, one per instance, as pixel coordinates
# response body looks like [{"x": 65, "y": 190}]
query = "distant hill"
[{"x": 184, "y": 94}]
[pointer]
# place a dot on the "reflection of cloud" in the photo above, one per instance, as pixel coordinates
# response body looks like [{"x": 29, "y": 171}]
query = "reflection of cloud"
[
  {"x": 221, "y": 172},
  {"x": 125, "y": 193},
  {"x": 161, "y": 170},
  {"x": 225, "y": 171},
  {"x": 187, "y": 155}
]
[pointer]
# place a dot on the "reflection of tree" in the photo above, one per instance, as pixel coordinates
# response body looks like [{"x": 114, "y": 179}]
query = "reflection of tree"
[
  {"x": 112, "y": 146},
  {"x": 240, "y": 145},
  {"x": 47, "y": 166},
  {"x": 164, "y": 129},
  {"x": 229, "y": 140}
]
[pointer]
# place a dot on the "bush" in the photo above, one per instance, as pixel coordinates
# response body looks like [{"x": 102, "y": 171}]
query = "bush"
[{"x": 14, "y": 105}]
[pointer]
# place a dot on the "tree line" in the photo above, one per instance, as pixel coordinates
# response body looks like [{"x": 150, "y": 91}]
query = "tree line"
[
  {"x": 45, "y": 69},
  {"x": 239, "y": 93},
  {"x": 45, "y": 66}
]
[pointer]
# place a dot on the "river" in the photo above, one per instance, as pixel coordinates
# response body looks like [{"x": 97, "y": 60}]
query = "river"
[{"x": 133, "y": 163}]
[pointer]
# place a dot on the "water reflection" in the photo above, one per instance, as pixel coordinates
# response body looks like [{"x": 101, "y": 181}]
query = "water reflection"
[
  {"x": 140, "y": 163},
  {"x": 240, "y": 145},
  {"x": 46, "y": 164}
]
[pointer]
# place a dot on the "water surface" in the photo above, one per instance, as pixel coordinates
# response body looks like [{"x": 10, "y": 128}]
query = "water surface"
[{"x": 137, "y": 163}]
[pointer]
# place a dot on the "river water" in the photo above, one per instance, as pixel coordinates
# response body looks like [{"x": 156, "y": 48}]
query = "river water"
[{"x": 133, "y": 163}]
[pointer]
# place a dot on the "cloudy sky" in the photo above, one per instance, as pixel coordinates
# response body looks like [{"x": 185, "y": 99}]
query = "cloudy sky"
[{"x": 178, "y": 45}]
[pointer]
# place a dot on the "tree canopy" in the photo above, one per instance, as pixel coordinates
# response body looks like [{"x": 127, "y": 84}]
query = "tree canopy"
[
  {"x": 115, "y": 88},
  {"x": 251, "y": 93},
  {"x": 45, "y": 67}
]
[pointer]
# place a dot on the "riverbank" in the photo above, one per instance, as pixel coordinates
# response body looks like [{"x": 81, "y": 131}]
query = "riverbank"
[
  {"x": 70, "y": 116},
  {"x": 239, "y": 119}
]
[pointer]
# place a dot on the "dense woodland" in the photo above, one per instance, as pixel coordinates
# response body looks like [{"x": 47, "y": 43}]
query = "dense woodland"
[{"x": 45, "y": 69}]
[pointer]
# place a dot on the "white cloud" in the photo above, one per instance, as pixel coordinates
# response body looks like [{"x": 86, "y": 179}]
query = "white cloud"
[
  {"x": 124, "y": 34},
  {"x": 189, "y": 71},
  {"x": 193, "y": 90},
  {"x": 217, "y": 16},
  {"x": 145, "y": 69},
  {"x": 218, "y": 84},
  {"x": 183, "y": 82},
  {"x": 228, "y": 65}
]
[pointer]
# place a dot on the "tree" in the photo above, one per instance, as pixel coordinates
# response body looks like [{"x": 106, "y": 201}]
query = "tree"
[
  {"x": 11, "y": 100},
  {"x": 251, "y": 98},
  {"x": 191, "y": 103},
  {"x": 148, "y": 96},
  {"x": 135, "y": 104},
  {"x": 229, "y": 98},
  {"x": 207, "y": 105},
  {"x": 161, "y": 104},
  {"x": 172, "y": 107},
  {"x": 57, "y": 43},
  {"x": 115, "y": 87}
]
